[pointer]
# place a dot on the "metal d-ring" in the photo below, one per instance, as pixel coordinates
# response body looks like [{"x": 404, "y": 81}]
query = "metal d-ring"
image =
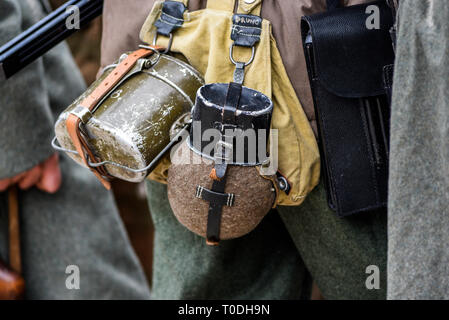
[
  {"x": 170, "y": 42},
  {"x": 231, "y": 51}
]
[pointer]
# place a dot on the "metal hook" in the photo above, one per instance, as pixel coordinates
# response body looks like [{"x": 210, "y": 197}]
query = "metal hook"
[{"x": 170, "y": 42}]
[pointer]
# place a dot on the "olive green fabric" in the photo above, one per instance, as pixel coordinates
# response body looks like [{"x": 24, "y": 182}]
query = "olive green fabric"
[
  {"x": 256, "y": 266},
  {"x": 204, "y": 39},
  {"x": 266, "y": 264},
  {"x": 336, "y": 250}
]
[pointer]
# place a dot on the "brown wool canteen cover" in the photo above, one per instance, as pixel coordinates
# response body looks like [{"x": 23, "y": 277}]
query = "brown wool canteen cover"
[
  {"x": 254, "y": 194},
  {"x": 131, "y": 125},
  {"x": 223, "y": 204}
]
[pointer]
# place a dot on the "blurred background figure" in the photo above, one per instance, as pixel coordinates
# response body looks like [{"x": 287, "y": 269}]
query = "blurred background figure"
[
  {"x": 68, "y": 221},
  {"x": 130, "y": 197}
]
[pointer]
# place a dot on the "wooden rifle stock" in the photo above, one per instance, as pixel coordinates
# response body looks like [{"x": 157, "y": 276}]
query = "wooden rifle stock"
[{"x": 12, "y": 284}]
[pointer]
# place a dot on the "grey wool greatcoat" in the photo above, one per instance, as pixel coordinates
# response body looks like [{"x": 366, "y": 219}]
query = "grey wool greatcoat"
[
  {"x": 79, "y": 225},
  {"x": 418, "y": 222}
]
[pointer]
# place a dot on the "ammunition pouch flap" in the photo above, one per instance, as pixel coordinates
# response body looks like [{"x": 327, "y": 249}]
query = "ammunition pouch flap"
[{"x": 348, "y": 57}]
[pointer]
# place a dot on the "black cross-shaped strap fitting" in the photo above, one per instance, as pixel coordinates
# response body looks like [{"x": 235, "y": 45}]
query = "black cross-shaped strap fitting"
[{"x": 223, "y": 199}]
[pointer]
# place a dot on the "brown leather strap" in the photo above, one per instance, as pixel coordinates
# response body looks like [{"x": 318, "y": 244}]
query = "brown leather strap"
[
  {"x": 12, "y": 284},
  {"x": 15, "y": 260},
  {"x": 73, "y": 121}
]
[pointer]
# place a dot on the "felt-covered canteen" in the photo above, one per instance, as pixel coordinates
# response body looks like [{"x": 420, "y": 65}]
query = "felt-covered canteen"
[{"x": 215, "y": 188}]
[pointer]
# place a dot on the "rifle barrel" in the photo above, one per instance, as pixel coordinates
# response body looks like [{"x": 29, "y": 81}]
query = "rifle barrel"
[{"x": 44, "y": 35}]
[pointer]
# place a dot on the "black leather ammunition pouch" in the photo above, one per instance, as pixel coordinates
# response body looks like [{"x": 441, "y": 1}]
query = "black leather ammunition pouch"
[{"x": 346, "y": 61}]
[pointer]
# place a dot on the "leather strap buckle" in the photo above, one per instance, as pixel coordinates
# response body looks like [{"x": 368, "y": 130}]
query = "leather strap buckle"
[{"x": 223, "y": 151}]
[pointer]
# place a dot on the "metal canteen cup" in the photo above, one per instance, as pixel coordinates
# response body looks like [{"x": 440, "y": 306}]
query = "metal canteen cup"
[{"x": 130, "y": 127}]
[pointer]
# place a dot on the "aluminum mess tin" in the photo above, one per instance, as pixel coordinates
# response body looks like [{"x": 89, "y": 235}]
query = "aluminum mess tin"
[{"x": 131, "y": 126}]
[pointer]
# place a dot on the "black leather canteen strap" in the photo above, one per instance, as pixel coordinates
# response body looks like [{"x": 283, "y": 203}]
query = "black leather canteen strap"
[
  {"x": 216, "y": 196},
  {"x": 232, "y": 102},
  {"x": 172, "y": 17},
  {"x": 225, "y": 199},
  {"x": 223, "y": 149},
  {"x": 216, "y": 204},
  {"x": 217, "y": 200},
  {"x": 246, "y": 32},
  {"x": 332, "y": 4}
]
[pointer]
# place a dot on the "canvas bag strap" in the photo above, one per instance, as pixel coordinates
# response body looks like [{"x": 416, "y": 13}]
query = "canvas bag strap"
[
  {"x": 246, "y": 31},
  {"x": 171, "y": 18}
]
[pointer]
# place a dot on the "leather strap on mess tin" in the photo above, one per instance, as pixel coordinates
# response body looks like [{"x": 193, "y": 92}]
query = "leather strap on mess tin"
[{"x": 82, "y": 113}]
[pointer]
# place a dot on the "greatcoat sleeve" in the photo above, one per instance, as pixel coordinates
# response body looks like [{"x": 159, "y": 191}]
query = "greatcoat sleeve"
[
  {"x": 418, "y": 209},
  {"x": 26, "y": 119}
]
